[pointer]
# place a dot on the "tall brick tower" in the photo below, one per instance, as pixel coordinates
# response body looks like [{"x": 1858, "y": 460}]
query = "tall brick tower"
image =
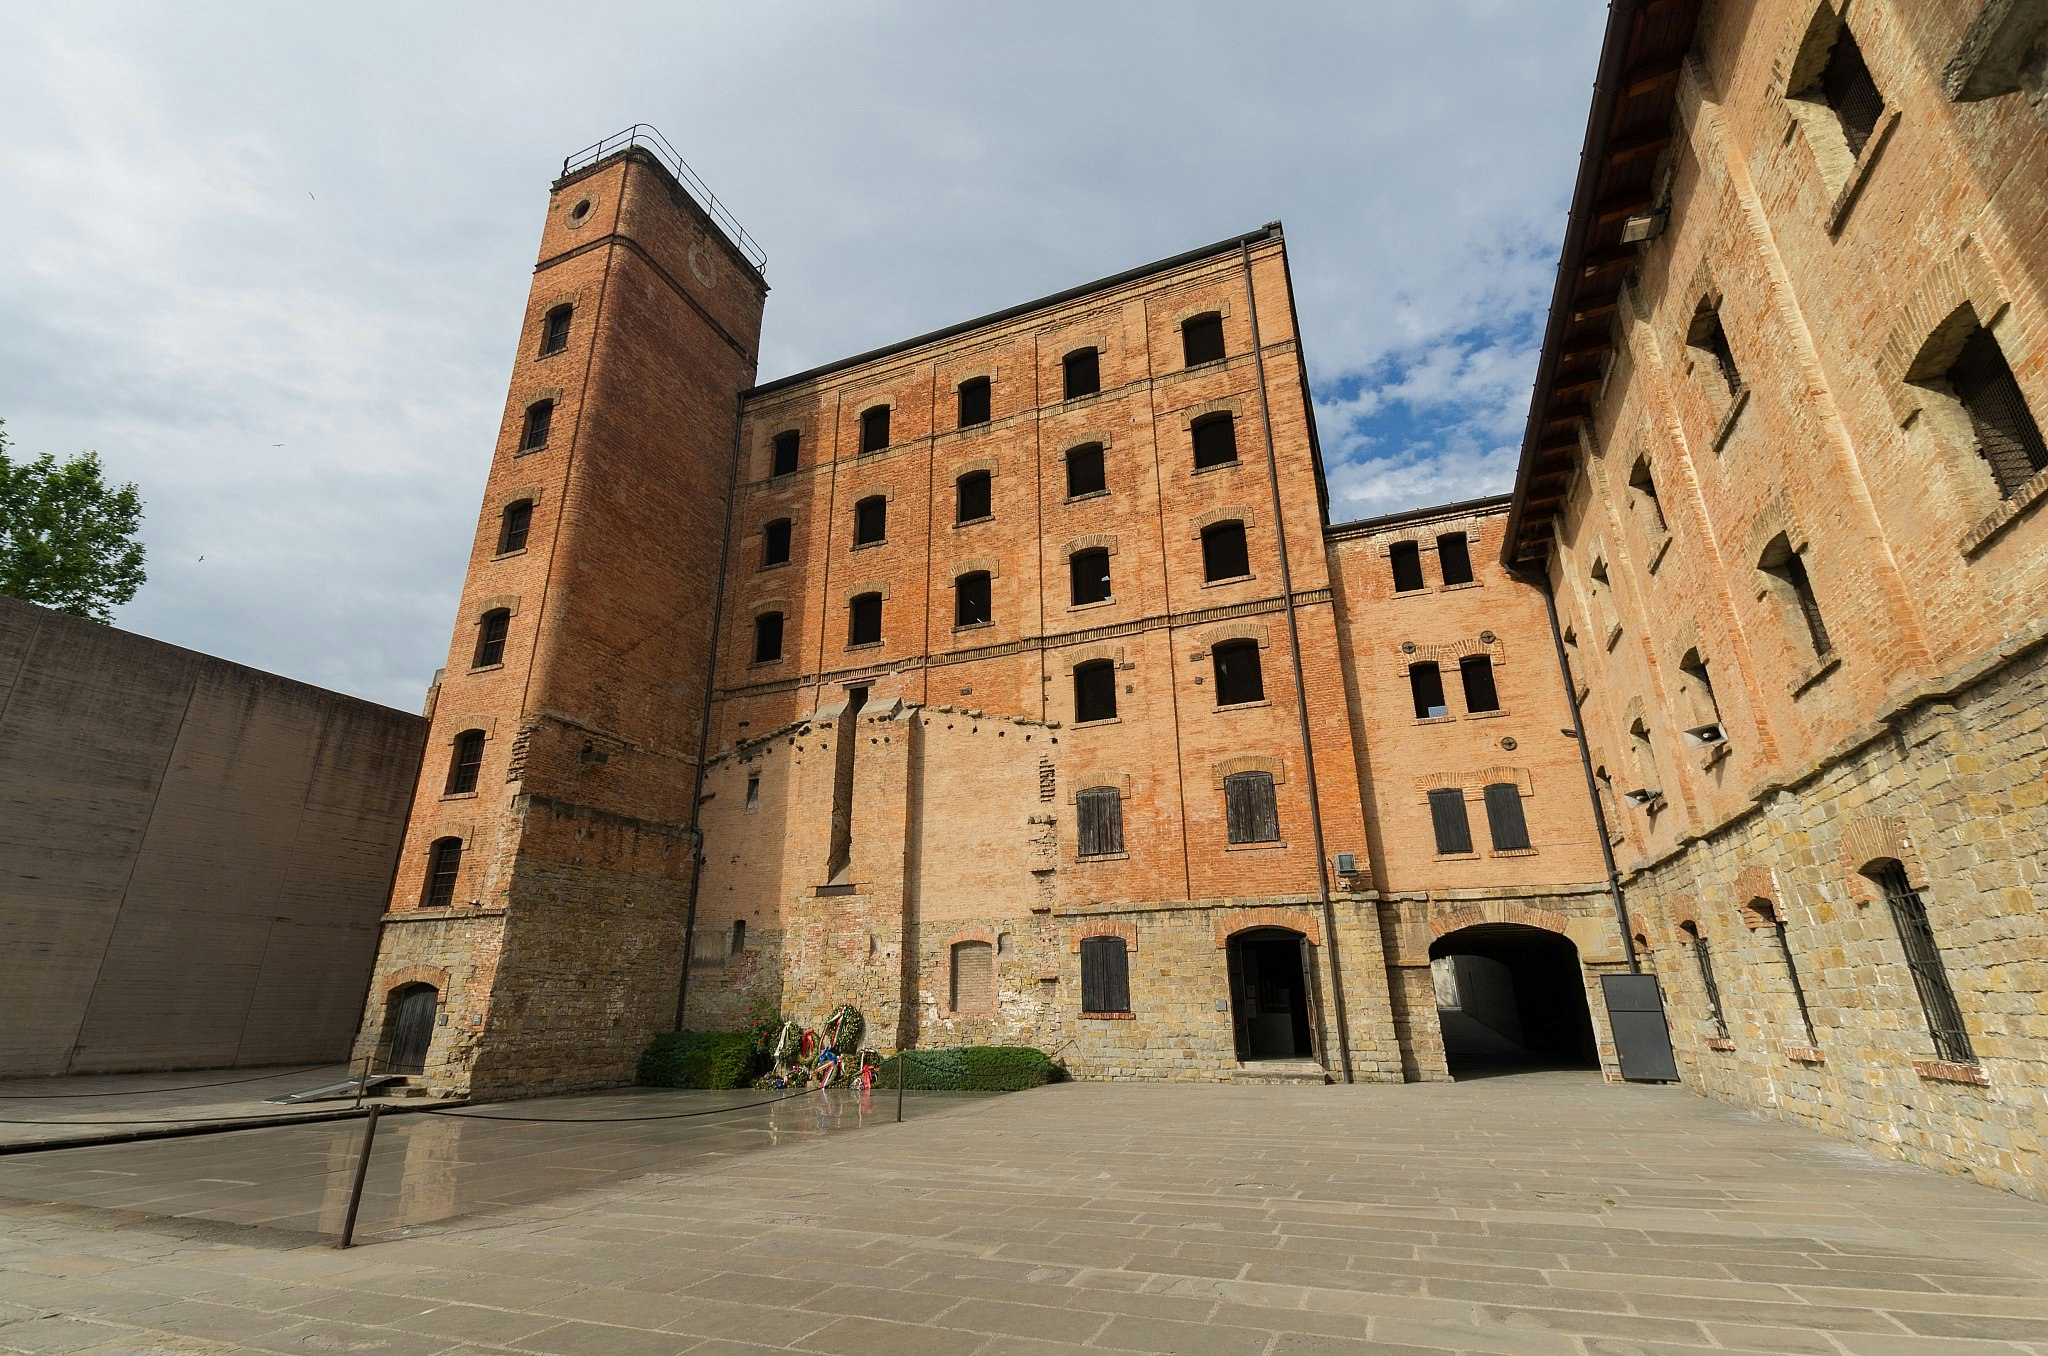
[{"x": 536, "y": 927}]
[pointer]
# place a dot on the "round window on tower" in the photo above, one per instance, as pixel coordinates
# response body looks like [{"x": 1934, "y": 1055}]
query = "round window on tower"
[{"x": 580, "y": 213}]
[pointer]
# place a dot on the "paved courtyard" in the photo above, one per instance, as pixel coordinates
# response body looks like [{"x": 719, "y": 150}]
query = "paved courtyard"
[{"x": 1546, "y": 1213}]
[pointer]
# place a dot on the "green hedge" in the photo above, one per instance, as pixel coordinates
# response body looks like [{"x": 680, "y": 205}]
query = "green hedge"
[
  {"x": 699, "y": 1059},
  {"x": 973, "y": 1068}
]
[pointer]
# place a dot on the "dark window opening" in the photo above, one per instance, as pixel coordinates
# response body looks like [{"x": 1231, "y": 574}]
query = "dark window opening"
[
  {"x": 1476, "y": 672},
  {"x": 974, "y": 401},
  {"x": 1224, "y": 555},
  {"x": 2007, "y": 436},
  {"x": 1504, "y": 819},
  {"x": 1407, "y": 561},
  {"x": 539, "y": 416},
  {"x": 753, "y": 790},
  {"x": 874, "y": 429},
  {"x": 1645, "y": 487},
  {"x": 1085, "y": 471},
  {"x": 465, "y": 762},
  {"x": 1454, "y": 558},
  {"x": 1426, "y": 684},
  {"x": 1215, "y": 440},
  {"x": 1447, "y": 816},
  {"x": 1923, "y": 958},
  {"x": 1251, "y": 811},
  {"x": 1081, "y": 371},
  {"x": 491, "y": 630},
  {"x": 739, "y": 935},
  {"x": 1238, "y": 678},
  {"x": 971, "y": 601},
  {"x": 554, "y": 332},
  {"x": 1702, "y": 709},
  {"x": 1709, "y": 335},
  {"x": 1789, "y": 566},
  {"x": 1105, "y": 975},
  {"x": 1201, "y": 339},
  {"x": 767, "y": 637},
  {"x": 975, "y": 497},
  {"x": 444, "y": 862},
  {"x": 864, "y": 620},
  {"x": 513, "y": 527},
  {"x": 1089, "y": 575},
  {"x": 871, "y": 520},
  {"x": 775, "y": 542},
  {"x": 1846, "y": 84},
  {"x": 1094, "y": 691},
  {"x": 1099, "y": 821},
  {"x": 785, "y": 448},
  {"x": 1704, "y": 959},
  {"x": 839, "y": 851}
]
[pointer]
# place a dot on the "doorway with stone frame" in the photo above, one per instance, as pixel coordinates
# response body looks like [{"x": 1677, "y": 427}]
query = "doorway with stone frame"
[{"x": 1272, "y": 991}]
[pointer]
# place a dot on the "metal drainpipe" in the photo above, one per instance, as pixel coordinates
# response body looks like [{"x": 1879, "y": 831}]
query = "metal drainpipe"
[
  {"x": 1541, "y": 580},
  {"x": 732, "y": 489},
  {"x": 1308, "y": 753}
]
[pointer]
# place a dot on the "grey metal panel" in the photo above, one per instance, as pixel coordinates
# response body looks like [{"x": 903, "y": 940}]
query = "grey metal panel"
[{"x": 1635, "y": 1012}]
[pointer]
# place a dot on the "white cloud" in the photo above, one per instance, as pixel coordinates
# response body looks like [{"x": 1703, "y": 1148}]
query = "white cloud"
[{"x": 232, "y": 227}]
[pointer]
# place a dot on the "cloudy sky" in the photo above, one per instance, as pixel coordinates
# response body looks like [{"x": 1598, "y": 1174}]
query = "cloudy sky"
[{"x": 269, "y": 260}]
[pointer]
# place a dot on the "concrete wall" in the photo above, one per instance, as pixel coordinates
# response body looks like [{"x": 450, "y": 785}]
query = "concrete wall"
[{"x": 193, "y": 855}]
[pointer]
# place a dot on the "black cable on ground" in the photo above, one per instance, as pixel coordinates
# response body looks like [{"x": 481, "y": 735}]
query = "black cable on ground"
[
  {"x": 613, "y": 1120},
  {"x": 144, "y": 1092}
]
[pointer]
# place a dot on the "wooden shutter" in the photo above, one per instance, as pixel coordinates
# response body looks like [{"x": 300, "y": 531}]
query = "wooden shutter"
[
  {"x": 974, "y": 977},
  {"x": 1447, "y": 814},
  {"x": 1105, "y": 975},
  {"x": 1250, "y": 811},
  {"x": 1504, "y": 817},
  {"x": 1100, "y": 811}
]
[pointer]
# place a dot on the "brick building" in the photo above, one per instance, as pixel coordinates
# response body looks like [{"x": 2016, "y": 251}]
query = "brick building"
[{"x": 1011, "y": 682}]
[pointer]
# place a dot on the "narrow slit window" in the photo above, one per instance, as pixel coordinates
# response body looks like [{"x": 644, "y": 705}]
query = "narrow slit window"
[
  {"x": 1238, "y": 676},
  {"x": 540, "y": 416},
  {"x": 1406, "y": 557},
  {"x": 1789, "y": 567},
  {"x": 1201, "y": 339},
  {"x": 1703, "y": 958},
  {"x": 1088, "y": 576},
  {"x": 1224, "y": 555},
  {"x": 753, "y": 790},
  {"x": 2007, "y": 437},
  {"x": 444, "y": 864},
  {"x": 1643, "y": 489},
  {"x": 974, "y": 401},
  {"x": 1923, "y": 957},
  {"x": 1099, "y": 821},
  {"x": 1081, "y": 373},
  {"x": 554, "y": 330},
  {"x": 864, "y": 620},
  {"x": 1709, "y": 336},
  {"x": 874, "y": 429},
  {"x": 767, "y": 637},
  {"x": 1475, "y": 671},
  {"x": 1701, "y": 710},
  {"x": 1846, "y": 84},
  {"x": 739, "y": 935},
  {"x": 784, "y": 453},
  {"x": 871, "y": 520},
  {"x": 972, "y": 605},
  {"x": 1105, "y": 975},
  {"x": 1094, "y": 691},
  {"x": 1426, "y": 686},
  {"x": 1447, "y": 817},
  {"x": 1504, "y": 820},
  {"x": 514, "y": 526},
  {"x": 1251, "y": 810},
  {"x": 775, "y": 542},
  {"x": 1215, "y": 437},
  {"x": 1454, "y": 558},
  {"x": 1085, "y": 471},
  {"x": 466, "y": 760},
  {"x": 974, "y": 497},
  {"x": 491, "y": 630}
]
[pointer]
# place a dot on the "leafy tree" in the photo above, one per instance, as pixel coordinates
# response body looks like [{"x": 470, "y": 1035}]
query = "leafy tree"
[{"x": 67, "y": 538}]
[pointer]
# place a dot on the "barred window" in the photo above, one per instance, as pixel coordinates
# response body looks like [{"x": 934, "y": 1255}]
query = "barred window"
[
  {"x": 444, "y": 862},
  {"x": 1708, "y": 335},
  {"x": 1105, "y": 975},
  {"x": 1251, "y": 811},
  {"x": 1703, "y": 958},
  {"x": 1504, "y": 821},
  {"x": 1201, "y": 339},
  {"x": 1447, "y": 817},
  {"x": 1099, "y": 821},
  {"x": 1923, "y": 957},
  {"x": 2007, "y": 437},
  {"x": 466, "y": 759},
  {"x": 1847, "y": 86}
]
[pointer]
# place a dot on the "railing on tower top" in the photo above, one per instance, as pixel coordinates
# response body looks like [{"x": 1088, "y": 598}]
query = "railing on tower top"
[{"x": 641, "y": 134}]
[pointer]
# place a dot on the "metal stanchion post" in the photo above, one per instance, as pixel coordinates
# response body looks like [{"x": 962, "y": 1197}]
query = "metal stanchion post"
[
  {"x": 902, "y": 1066},
  {"x": 362, "y": 1080},
  {"x": 355, "y": 1191}
]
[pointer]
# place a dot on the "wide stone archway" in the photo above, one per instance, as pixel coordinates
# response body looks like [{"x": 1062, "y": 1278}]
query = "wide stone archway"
[{"x": 1510, "y": 998}]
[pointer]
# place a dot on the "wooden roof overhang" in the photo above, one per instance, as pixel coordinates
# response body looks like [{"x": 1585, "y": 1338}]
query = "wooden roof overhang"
[{"x": 1634, "y": 96}]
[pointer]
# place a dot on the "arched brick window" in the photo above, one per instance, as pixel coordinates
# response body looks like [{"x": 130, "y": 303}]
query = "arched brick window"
[
  {"x": 554, "y": 330},
  {"x": 1105, "y": 975},
  {"x": 540, "y": 417},
  {"x": 1224, "y": 554},
  {"x": 1094, "y": 691},
  {"x": 514, "y": 525},
  {"x": 974, "y": 401},
  {"x": 1238, "y": 676},
  {"x": 1081, "y": 373},
  {"x": 974, "y": 497},
  {"x": 1201, "y": 339},
  {"x": 465, "y": 760},
  {"x": 491, "y": 630},
  {"x": 1251, "y": 811},
  {"x": 1215, "y": 437},
  {"x": 1099, "y": 821},
  {"x": 444, "y": 864},
  {"x": 972, "y": 603},
  {"x": 1923, "y": 957},
  {"x": 767, "y": 637},
  {"x": 775, "y": 539}
]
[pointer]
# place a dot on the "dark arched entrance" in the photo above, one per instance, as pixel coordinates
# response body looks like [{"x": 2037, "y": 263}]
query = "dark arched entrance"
[
  {"x": 409, "y": 1020},
  {"x": 1271, "y": 977},
  {"x": 1511, "y": 997}
]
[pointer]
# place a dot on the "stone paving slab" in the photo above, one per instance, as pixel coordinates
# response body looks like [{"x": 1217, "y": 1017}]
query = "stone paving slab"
[{"x": 1548, "y": 1215}]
